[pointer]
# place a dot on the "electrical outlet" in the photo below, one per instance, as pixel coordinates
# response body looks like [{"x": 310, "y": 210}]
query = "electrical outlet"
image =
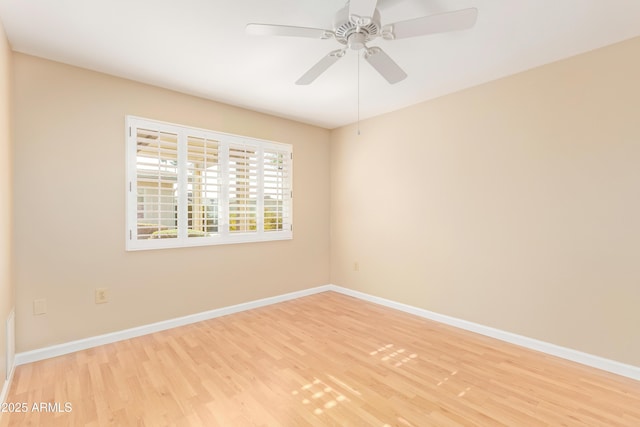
[
  {"x": 39, "y": 306},
  {"x": 102, "y": 295}
]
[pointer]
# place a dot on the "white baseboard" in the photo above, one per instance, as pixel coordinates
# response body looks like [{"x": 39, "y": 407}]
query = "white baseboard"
[
  {"x": 10, "y": 356},
  {"x": 73, "y": 346},
  {"x": 598, "y": 362},
  {"x": 5, "y": 387},
  {"x": 545, "y": 347}
]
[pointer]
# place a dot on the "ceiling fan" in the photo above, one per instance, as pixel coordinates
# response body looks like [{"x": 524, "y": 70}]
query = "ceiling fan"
[{"x": 359, "y": 23}]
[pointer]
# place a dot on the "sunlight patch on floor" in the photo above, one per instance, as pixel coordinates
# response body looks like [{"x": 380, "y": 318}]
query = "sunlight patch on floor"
[
  {"x": 393, "y": 356},
  {"x": 321, "y": 396},
  {"x": 453, "y": 374}
]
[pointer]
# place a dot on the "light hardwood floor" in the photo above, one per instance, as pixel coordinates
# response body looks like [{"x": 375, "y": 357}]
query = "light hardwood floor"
[{"x": 322, "y": 360}]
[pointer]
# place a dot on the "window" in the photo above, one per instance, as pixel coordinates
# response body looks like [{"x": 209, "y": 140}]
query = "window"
[{"x": 193, "y": 187}]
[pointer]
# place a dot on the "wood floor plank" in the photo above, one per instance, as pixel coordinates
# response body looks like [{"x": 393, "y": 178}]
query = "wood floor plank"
[{"x": 322, "y": 360}]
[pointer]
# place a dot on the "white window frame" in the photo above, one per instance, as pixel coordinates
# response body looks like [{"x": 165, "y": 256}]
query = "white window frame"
[{"x": 223, "y": 235}]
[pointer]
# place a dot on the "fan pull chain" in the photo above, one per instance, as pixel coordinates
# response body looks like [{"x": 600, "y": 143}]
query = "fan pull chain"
[{"x": 358, "y": 95}]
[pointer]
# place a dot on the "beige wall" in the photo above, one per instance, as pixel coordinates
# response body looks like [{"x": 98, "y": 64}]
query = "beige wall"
[
  {"x": 70, "y": 209},
  {"x": 515, "y": 204},
  {"x": 6, "y": 286}
]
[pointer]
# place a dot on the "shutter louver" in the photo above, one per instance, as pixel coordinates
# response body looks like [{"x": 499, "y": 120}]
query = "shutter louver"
[
  {"x": 156, "y": 184},
  {"x": 277, "y": 190},
  {"x": 203, "y": 187},
  {"x": 243, "y": 189}
]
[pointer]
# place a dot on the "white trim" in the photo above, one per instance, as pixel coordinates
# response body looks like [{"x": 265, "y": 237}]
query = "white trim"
[
  {"x": 11, "y": 364},
  {"x": 83, "y": 344},
  {"x": 598, "y": 362},
  {"x": 6, "y": 386}
]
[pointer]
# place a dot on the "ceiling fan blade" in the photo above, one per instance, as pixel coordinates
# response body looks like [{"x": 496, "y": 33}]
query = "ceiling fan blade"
[
  {"x": 384, "y": 65},
  {"x": 384, "y": 4},
  {"x": 287, "y": 30},
  {"x": 432, "y": 24},
  {"x": 322, "y": 66},
  {"x": 362, "y": 9}
]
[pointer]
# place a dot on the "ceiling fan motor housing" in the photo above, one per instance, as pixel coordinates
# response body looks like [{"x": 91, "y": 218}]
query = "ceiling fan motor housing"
[{"x": 352, "y": 35}]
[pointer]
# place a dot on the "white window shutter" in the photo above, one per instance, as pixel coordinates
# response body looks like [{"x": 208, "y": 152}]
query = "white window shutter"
[
  {"x": 192, "y": 187},
  {"x": 277, "y": 190},
  {"x": 243, "y": 189},
  {"x": 156, "y": 184},
  {"x": 203, "y": 172}
]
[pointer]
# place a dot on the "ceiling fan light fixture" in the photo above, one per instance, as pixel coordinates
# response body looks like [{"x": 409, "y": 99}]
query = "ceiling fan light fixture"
[{"x": 356, "y": 41}]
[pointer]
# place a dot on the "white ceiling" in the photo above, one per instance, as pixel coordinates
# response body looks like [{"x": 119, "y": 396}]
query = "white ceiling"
[{"x": 199, "y": 47}]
